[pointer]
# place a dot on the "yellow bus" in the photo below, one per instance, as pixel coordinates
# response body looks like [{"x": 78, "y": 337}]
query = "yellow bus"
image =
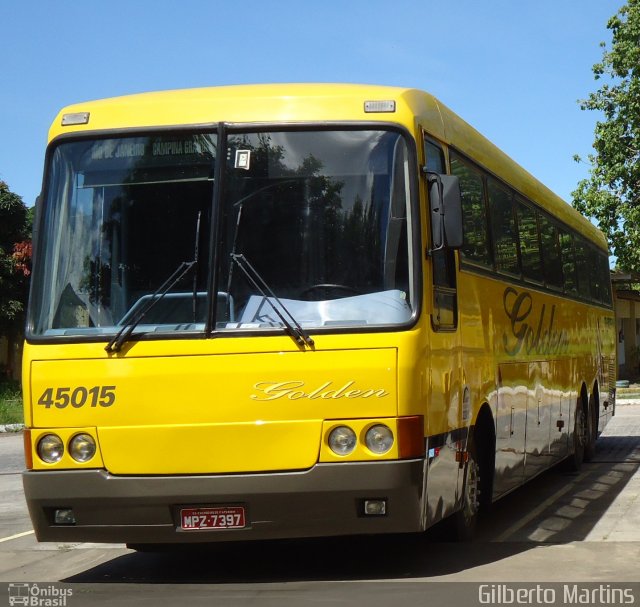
[{"x": 284, "y": 311}]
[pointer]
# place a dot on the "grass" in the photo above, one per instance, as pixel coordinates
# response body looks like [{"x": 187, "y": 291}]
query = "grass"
[{"x": 10, "y": 403}]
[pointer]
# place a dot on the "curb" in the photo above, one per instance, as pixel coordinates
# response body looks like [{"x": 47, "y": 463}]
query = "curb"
[{"x": 11, "y": 428}]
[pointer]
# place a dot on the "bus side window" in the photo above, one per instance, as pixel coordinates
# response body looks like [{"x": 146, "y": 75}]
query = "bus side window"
[
  {"x": 529, "y": 243},
  {"x": 474, "y": 215},
  {"x": 603, "y": 269},
  {"x": 568, "y": 263},
  {"x": 600, "y": 280},
  {"x": 584, "y": 269},
  {"x": 434, "y": 157},
  {"x": 551, "y": 253},
  {"x": 596, "y": 277},
  {"x": 445, "y": 300},
  {"x": 503, "y": 228}
]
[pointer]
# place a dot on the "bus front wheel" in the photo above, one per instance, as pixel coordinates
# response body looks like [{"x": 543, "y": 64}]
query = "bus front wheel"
[{"x": 466, "y": 519}]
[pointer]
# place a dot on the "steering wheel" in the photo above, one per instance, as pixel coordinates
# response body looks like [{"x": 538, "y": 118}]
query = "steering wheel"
[{"x": 328, "y": 286}]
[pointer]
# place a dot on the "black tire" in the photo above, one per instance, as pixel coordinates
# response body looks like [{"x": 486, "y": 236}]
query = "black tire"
[
  {"x": 573, "y": 463},
  {"x": 591, "y": 430}
]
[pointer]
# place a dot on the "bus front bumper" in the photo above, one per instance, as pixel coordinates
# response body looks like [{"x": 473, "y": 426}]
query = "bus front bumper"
[{"x": 326, "y": 500}]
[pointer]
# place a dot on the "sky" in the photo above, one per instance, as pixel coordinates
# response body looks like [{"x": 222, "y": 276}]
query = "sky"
[{"x": 514, "y": 69}]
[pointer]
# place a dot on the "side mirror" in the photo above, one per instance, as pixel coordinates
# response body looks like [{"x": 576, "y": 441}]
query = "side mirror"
[{"x": 445, "y": 203}]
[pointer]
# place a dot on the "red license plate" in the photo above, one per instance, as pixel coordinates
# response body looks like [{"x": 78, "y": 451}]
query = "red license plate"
[{"x": 224, "y": 517}]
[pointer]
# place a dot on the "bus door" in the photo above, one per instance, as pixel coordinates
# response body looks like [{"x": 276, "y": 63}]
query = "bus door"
[{"x": 446, "y": 435}]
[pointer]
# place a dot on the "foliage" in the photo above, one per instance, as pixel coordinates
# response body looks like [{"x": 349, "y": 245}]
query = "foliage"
[
  {"x": 10, "y": 403},
  {"x": 15, "y": 260},
  {"x": 22, "y": 252},
  {"x": 611, "y": 194}
]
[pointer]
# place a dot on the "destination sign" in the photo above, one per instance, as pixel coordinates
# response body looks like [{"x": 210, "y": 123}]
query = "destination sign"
[{"x": 140, "y": 147}]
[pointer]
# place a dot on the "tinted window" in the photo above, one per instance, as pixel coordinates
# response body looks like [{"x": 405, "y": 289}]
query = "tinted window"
[
  {"x": 551, "y": 253},
  {"x": 475, "y": 247},
  {"x": 568, "y": 263},
  {"x": 503, "y": 226},
  {"x": 529, "y": 244},
  {"x": 435, "y": 157},
  {"x": 445, "y": 310},
  {"x": 584, "y": 269},
  {"x": 605, "y": 280},
  {"x": 601, "y": 280}
]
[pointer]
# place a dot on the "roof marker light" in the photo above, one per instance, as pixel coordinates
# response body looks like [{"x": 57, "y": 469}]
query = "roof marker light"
[
  {"x": 375, "y": 107},
  {"x": 76, "y": 118}
]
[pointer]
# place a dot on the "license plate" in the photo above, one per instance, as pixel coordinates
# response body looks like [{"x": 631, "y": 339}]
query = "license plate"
[{"x": 224, "y": 517}]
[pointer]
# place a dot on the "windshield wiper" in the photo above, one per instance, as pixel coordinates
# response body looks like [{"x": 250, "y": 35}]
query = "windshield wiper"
[
  {"x": 123, "y": 335},
  {"x": 297, "y": 333}
]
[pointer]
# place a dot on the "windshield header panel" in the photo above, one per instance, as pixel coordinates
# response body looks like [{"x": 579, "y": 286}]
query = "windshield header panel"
[{"x": 323, "y": 217}]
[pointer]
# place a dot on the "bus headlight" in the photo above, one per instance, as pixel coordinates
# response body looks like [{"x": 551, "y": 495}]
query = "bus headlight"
[
  {"x": 379, "y": 439},
  {"x": 50, "y": 448},
  {"x": 342, "y": 440},
  {"x": 82, "y": 447}
]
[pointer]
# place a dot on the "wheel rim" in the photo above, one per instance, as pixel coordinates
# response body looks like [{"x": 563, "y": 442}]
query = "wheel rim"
[{"x": 472, "y": 490}]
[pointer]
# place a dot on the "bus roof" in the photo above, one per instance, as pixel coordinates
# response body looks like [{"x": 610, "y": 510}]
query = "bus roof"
[{"x": 312, "y": 103}]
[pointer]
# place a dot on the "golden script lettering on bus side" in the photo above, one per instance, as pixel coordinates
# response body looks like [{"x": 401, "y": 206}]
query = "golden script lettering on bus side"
[
  {"x": 531, "y": 331},
  {"x": 295, "y": 390}
]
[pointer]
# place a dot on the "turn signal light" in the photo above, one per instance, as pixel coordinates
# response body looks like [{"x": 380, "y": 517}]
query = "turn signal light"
[
  {"x": 28, "y": 454},
  {"x": 411, "y": 437}
]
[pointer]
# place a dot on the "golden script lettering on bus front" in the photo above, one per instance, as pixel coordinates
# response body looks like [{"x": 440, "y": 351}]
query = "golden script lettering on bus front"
[{"x": 296, "y": 390}]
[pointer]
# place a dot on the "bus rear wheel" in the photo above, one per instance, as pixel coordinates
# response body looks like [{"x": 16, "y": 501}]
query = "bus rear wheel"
[
  {"x": 591, "y": 429},
  {"x": 574, "y": 462}
]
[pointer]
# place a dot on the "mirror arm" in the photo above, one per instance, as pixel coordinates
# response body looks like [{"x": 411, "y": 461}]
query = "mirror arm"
[{"x": 430, "y": 251}]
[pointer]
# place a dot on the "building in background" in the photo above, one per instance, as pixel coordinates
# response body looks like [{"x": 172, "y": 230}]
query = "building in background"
[{"x": 626, "y": 287}]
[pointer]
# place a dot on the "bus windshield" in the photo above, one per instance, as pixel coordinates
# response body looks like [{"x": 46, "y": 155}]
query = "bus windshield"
[{"x": 322, "y": 218}]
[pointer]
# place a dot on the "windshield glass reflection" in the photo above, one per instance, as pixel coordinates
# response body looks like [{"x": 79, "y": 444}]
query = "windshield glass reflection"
[
  {"x": 324, "y": 218},
  {"x": 120, "y": 215}
]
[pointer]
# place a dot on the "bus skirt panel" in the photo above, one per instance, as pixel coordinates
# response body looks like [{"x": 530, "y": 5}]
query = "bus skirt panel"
[{"x": 326, "y": 500}]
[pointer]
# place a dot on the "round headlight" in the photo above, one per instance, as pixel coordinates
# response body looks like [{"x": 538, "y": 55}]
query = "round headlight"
[
  {"x": 342, "y": 440},
  {"x": 82, "y": 447},
  {"x": 50, "y": 448},
  {"x": 379, "y": 439}
]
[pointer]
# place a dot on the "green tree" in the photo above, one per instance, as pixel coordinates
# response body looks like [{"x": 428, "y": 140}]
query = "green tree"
[
  {"x": 15, "y": 262},
  {"x": 611, "y": 194}
]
